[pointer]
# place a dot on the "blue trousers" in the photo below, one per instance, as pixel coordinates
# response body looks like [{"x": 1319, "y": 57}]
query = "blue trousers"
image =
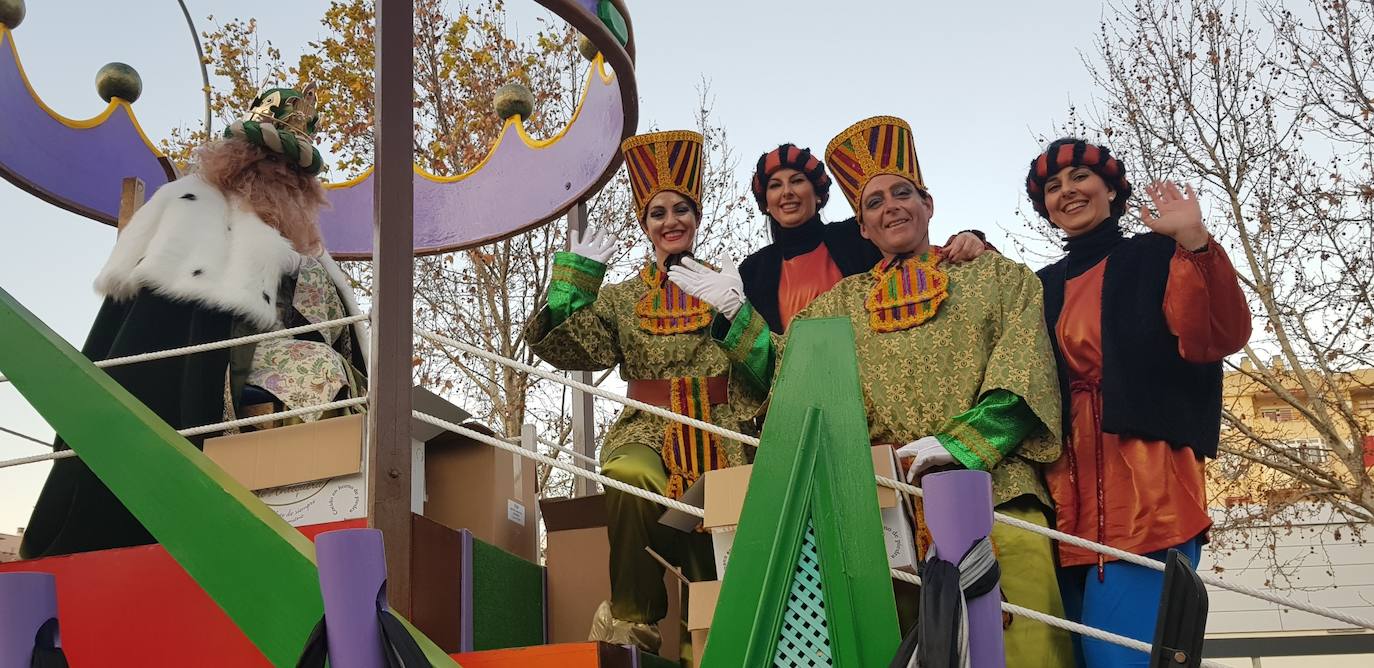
[{"x": 1126, "y": 602}]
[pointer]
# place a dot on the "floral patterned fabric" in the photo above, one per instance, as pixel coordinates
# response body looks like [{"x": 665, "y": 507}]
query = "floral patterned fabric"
[{"x": 301, "y": 372}]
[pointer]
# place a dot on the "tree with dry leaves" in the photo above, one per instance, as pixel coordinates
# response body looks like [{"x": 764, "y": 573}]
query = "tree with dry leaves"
[
  {"x": 1271, "y": 109},
  {"x": 483, "y": 296}
]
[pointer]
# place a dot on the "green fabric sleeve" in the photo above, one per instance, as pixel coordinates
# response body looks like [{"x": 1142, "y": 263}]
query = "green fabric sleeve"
[
  {"x": 749, "y": 345},
  {"x": 576, "y": 280},
  {"x": 985, "y": 434}
]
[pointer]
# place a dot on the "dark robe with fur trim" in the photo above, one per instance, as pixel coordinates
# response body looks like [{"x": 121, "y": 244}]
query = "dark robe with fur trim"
[{"x": 156, "y": 301}]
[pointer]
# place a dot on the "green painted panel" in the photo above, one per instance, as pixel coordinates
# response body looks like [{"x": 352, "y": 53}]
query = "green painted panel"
[
  {"x": 813, "y": 463},
  {"x": 255, "y": 566}
]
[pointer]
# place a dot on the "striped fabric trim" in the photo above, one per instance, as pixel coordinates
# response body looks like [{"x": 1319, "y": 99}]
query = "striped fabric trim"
[
  {"x": 579, "y": 272},
  {"x": 973, "y": 450},
  {"x": 689, "y": 452},
  {"x": 662, "y": 161},
  {"x": 666, "y": 308},
  {"x": 873, "y": 146},
  {"x": 906, "y": 295}
]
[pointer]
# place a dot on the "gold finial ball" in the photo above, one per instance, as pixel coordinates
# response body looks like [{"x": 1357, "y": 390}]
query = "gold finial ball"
[
  {"x": 118, "y": 80},
  {"x": 11, "y": 13},
  {"x": 586, "y": 47},
  {"x": 513, "y": 99}
]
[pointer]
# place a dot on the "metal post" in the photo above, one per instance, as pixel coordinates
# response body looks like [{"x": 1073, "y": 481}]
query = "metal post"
[
  {"x": 389, "y": 382},
  {"x": 584, "y": 417}
]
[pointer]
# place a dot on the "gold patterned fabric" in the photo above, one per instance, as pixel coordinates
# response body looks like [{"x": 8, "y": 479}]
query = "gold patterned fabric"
[
  {"x": 610, "y": 333},
  {"x": 906, "y": 293},
  {"x": 988, "y": 335}
]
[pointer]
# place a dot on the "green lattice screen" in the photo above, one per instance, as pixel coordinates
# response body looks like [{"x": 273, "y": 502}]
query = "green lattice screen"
[{"x": 805, "y": 637}]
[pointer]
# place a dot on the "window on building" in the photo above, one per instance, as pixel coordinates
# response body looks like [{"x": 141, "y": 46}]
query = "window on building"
[
  {"x": 1279, "y": 414},
  {"x": 1364, "y": 404},
  {"x": 1310, "y": 451}
]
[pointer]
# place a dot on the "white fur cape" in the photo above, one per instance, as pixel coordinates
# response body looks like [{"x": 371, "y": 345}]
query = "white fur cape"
[{"x": 191, "y": 243}]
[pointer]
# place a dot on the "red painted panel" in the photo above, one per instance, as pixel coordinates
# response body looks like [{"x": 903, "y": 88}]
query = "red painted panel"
[
  {"x": 1369, "y": 452},
  {"x": 136, "y": 607},
  {"x": 572, "y": 655}
]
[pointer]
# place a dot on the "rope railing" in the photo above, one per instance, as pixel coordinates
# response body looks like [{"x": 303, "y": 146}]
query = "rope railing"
[
  {"x": 558, "y": 448},
  {"x": 226, "y": 343},
  {"x": 589, "y": 389},
  {"x": 638, "y": 405},
  {"x": 694, "y": 511},
  {"x": 209, "y": 428},
  {"x": 1070, "y": 539}
]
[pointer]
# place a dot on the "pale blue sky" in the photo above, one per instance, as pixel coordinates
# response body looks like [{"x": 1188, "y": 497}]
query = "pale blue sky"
[{"x": 978, "y": 82}]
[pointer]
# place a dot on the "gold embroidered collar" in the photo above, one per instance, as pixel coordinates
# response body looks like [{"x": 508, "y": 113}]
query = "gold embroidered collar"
[{"x": 906, "y": 292}]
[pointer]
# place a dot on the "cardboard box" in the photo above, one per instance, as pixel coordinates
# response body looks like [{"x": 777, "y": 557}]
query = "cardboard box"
[
  {"x": 701, "y": 597},
  {"x": 488, "y": 491},
  {"x": 316, "y": 472},
  {"x": 721, "y": 494},
  {"x": 577, "y": 556},
  {"x": 308, "y": 473}
]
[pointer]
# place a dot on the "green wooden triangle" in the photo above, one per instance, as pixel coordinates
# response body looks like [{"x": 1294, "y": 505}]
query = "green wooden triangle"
[
  {"x": 255, "y": 566},
  {"x": 813, "y": 475}
]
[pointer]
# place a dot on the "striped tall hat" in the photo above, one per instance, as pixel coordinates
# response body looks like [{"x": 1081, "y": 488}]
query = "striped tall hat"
[
  {"x": 661, "y": 161},
  {"x": 873, "y": 146}
]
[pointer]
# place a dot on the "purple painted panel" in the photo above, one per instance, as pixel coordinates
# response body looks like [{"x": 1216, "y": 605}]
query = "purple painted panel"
[
  {"x": 517, "y": 187},
  {"x": 352, "y": 575},
  {"x": 77, "y": 165},
  {"x": 27, "y": 602},
  {"x": 958, "y": 506}
]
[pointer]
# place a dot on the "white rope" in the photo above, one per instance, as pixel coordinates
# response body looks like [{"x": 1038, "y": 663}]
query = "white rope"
[
  {"x": 195, "y": 431},
  {"x": 259, "y": 419},
  {"x": 554, "y": 446},
  {"x": 590, "y": 389},
  {"x": 1122, "y": 555},
  {"x": 63, "y": 454},
  {"x": 909, "y": 489},
  {"x": 545, "y": 459},
  {"x": 227, "y": 343},
  {"x": 1072, "y": 627}
]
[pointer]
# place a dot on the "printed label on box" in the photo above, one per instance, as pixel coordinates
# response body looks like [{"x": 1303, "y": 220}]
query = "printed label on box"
[
  {"x": 515, "y": 511},
  {"x": 721, "y": 543}
]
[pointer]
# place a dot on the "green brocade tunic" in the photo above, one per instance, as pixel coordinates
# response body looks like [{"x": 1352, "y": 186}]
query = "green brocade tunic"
[
  {"x": 978, "y": 375},
  {"x": 587, "y": 327}
]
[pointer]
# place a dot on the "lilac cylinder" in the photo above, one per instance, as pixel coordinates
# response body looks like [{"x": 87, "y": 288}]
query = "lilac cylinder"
[
  {"x": 27, "y": 601},
  {"x": 958, "y": 512},
  {"x": 352, "y": 582}
]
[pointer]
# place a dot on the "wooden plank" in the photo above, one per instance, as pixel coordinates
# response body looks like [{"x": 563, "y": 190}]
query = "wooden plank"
[
  {"x": 130, "y": 199},
  {"x": 389, "y": 380}
]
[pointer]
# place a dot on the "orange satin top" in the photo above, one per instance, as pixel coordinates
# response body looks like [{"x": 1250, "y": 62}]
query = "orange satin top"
[
  {"x": 804, "y": 278},
  {"x": 1130, "y": 493}
]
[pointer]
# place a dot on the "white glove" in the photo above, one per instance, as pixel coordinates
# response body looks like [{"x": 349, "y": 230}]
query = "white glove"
[
  {"x": 722, "y": 289},
  {"x": 929, "y": 453},
  {"x": 595, "y": 245}
]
